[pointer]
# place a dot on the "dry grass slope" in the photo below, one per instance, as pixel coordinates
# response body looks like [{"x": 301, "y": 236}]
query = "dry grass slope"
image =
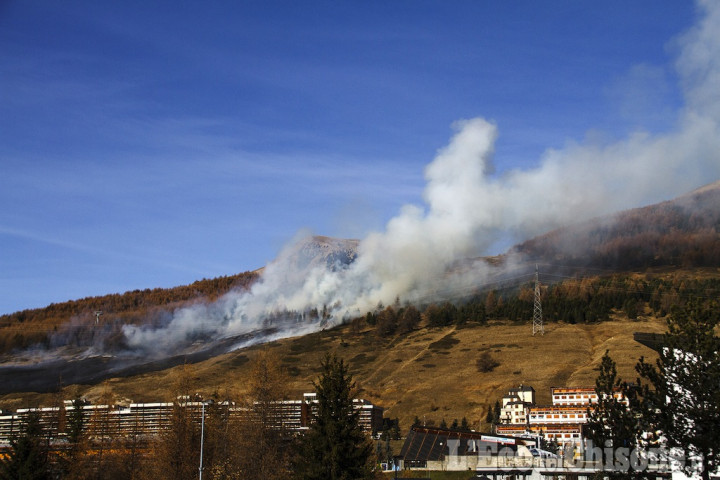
[{"x": 430, "y": 373}]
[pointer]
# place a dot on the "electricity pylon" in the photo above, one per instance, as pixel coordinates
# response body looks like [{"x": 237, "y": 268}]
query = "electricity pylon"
[{"x": 537, "y": 309}]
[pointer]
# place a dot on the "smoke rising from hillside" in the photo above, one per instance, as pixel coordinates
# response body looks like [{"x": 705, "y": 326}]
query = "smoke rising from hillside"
[{"x": 468, "y": 208}]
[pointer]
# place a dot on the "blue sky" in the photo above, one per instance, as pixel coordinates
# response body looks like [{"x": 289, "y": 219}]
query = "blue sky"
[{"x": 151, "y": 144}]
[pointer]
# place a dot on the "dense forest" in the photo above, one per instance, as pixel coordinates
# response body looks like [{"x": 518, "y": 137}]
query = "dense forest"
[
  {"x": 582, "y": 300},
  {"x": 684, "y": 232}
]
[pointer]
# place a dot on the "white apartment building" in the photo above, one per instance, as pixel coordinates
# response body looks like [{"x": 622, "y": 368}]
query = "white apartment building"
[
  {"x": 516, "y": 405},
  {"x": 561, "y": 421}
]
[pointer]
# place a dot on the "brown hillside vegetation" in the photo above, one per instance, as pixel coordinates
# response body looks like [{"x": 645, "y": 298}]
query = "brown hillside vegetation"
[
  {"x": 682, "y": 232},
  {"x": 29, "y": 327},
  {"x": 430, "y": 373},
  {"x": 439, "y": 361}
]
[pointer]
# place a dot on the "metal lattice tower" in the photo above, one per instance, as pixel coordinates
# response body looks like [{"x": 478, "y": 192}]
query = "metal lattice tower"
[{"x": 537, "y": 310}]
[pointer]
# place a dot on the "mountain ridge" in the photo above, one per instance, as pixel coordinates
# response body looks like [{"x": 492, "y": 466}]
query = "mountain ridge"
[
  {"x": 637, "y": 238},
  {"x": 319, "y": 249},
  {"x": 428, "y": 367},
  {"x": 683, "y": 231}
]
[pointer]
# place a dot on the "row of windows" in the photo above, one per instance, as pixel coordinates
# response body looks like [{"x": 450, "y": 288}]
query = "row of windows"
[
  {"x": 570, "y": 415},
  {"x": 575, "y": 397},
  {"x": 563, "y": 435}
]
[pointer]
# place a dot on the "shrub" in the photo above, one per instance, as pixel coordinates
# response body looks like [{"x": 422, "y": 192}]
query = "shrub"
[{"x": 486, "y": 363}]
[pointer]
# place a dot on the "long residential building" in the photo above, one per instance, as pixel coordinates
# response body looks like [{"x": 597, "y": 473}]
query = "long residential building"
[
  {"x": 151, "y": 418},
  {"x": 556, "y": 414}
]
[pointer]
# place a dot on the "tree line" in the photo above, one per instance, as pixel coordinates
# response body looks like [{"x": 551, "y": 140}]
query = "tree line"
[{"x": 585, "y": 300}]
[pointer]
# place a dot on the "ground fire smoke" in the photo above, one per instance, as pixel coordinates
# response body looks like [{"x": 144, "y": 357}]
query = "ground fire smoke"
[{"x": 468, "y": 208}]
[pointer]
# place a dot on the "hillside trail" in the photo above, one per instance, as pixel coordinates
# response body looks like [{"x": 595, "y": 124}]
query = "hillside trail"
[
  {"x": 380, "y": 372},
  {"x": 591, "y": 341}
]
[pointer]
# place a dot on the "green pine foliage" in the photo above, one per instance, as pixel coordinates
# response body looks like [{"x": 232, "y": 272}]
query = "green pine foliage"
[
  {"x": 677, "y": 400},
  {"x": 587, "y": 300},
  {"x": 614, "y": 421},
  {"x": 76, "y": 422},
  {"x": 682, "y": 394},
  {"x": 335, "y": 447}
]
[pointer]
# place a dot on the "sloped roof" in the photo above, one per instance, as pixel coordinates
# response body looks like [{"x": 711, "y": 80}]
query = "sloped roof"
[
  {"x": 522, "y": 388},
  {"x": 431, "y": 444}
]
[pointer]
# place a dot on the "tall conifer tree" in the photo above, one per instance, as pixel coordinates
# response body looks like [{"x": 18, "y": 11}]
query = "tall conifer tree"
[
  {"x": 682, "y": 398},
  {"x": 613, "y": 421},
  {"x": 335, "y": 447}
]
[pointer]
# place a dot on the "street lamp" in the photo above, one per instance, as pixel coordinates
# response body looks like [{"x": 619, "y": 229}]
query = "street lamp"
[{"x": 202, "y": 434}]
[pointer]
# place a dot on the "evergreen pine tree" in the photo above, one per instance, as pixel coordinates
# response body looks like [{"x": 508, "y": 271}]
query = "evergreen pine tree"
[
  {"x": 682, "y": 399},
  {"x": 70, "y": 460},
  {"x": 497, "y": 412},
  {"x": 490, "y": 418},
  {"x": 395, "y": 429},
  {"x": 612, "y": 422},
  {"x": 335, "y": 447}
]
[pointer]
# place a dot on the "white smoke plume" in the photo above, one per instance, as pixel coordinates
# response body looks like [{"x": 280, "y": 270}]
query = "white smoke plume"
[{"x": 468, "y": 208}]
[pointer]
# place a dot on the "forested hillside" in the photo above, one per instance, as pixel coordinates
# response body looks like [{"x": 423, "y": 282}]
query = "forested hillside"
[
  {"x": 682, "y": 232},
  {"x": 30, "y": 327},
  {"x": 578, "y": 300}
]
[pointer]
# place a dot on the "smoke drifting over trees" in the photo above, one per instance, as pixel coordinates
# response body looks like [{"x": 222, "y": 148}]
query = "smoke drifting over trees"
[{"x": 468, "y": 210}]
